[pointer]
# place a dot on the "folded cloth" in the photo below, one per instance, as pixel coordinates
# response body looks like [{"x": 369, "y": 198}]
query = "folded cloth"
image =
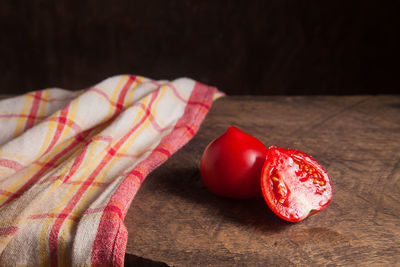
[{"x": 72, "y": 161}]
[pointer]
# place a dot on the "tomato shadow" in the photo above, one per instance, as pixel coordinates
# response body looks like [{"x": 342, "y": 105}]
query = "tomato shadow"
[
  {"x": 133, "y": 260},
  {"x": 186, "y": 185}
]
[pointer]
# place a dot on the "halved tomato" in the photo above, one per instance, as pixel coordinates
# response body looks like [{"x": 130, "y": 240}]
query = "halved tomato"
[{"x": 294, "y": 184}]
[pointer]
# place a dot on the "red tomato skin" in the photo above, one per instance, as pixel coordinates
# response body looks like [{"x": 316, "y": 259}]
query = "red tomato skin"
[
  {"x": 304, "y": 195},
  {"x": 231, "y": 164}
]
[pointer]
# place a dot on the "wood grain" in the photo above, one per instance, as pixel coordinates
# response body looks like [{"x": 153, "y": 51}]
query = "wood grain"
[{"x": 174, "y": 220}]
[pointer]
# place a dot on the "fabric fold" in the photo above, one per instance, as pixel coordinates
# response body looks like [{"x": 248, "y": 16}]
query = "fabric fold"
[{"x": 72, "y": 162}]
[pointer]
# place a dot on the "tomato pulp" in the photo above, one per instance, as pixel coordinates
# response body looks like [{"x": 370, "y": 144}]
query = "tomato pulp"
[
  {"x": 294, "y": 185},
  {"x": 231, "y": 164}
]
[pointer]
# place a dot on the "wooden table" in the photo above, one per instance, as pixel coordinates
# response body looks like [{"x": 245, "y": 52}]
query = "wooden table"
[{"x": 174, "y": 220}]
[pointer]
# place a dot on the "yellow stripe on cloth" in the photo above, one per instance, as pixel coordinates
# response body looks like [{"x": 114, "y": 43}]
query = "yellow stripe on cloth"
[{"x": 22, "y": 120}]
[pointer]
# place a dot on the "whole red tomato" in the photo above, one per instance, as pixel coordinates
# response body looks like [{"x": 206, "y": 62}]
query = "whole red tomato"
[
  {"x": 231, "y": 164},
  {"x": 294, "y": 184}
]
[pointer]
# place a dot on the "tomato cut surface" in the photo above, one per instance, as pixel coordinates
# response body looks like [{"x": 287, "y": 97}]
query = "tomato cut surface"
[
  {"x": 231, "y": 164},
  {"x": 294, "y": 185}
]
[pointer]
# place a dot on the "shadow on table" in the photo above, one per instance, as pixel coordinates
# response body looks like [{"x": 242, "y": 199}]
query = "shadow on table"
[
  {"x": 187, "y": 184},
  {"x": 132, "y": 260}
]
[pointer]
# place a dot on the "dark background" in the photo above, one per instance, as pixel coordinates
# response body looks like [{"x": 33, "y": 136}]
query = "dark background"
[{"x": 242, "y": 47}]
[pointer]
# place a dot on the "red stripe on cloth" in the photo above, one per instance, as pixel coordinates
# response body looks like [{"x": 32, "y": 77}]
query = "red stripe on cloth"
[
  {"x": 189, "y": 129},
  {"x": 53, "y": 235},
  {"x": 157, "y": 84},
  {"x": 176, "y": 93},
  {"x": 59, "y": 129},
  {"x": 190, "y": 102},
  {"x": 53, "y": 215},
  {"x": 95, "y": 210},
  {"x": 206, "y": 106},
  {"x": 78, "y": 160},
  {"x": 9, "y": 230},
  {"x": 34, "y": 109},
  {"x": 50, "y": 99},
  {"x": 135, "y": 173},
  {"x": 77, "y": 163},
  {"x": 109, "y": 208},
  {"x": 122, "y": 94},
  {"x": 163, "y": 150},
  {"x": 68, "y": 216},
  {"x": 11, "y": 164},
  {"x": 67, "y": 121},
  {"x": 29, "y": 117},
  {"x": 51, "y": 163},
  {"x": 54, "y": 178},
  {"x": 114, "y": 209},
  {"x": 102, "y": 94},
  {"x": 110, "y": 243},
  {"x": 153, "y": 121}
]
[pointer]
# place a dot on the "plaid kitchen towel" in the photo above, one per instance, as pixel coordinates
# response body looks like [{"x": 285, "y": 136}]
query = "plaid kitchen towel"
[{"x": 71, "y": 163}]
